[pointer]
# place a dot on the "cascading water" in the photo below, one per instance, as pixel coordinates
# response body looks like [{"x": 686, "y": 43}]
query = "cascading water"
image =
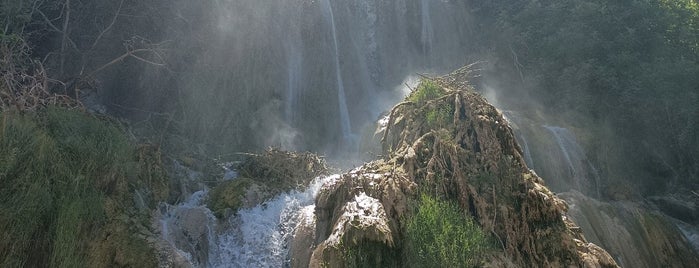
[
  {"x": 294, "y": 73},
  {"x": 631, "y": 232},
  {"x": 585, "y": 177},
  {"x": 515, "y": 121},
  {"x": 427, "y": 36},
  {"x": 345, "y": 125},
  {"x": 254, "y": 237}
]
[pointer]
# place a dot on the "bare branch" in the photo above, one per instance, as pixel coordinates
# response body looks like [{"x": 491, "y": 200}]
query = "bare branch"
[
  {"x": 53, "y": 26},
  {"x": 129, "y": 53},
  {"x": 147, "y": 61},
  {"x": 116, "y": 15}
]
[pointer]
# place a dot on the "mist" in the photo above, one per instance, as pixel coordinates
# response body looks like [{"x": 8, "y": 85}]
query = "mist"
[{"x": 602, "y": 97}]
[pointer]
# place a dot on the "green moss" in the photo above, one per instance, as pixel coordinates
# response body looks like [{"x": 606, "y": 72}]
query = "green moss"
[
  {"x": 228, "y": 195},
  {"x": 58, "y": 171},
  {"x": 439, "y": 235}
]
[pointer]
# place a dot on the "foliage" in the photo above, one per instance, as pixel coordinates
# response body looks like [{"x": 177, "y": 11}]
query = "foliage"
[
  {"x": 425, "y": 91},
  {"x": 64, "y": 188},
  {"x": 624, "y": 70},
  {"x": 440, "y": 116},
  {"x": 439, "y": 235},
  {"x": 228, "y": 195},
  {"x": 370, "y": 254}
]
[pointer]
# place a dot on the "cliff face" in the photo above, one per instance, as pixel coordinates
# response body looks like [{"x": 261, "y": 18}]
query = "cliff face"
[{"x": 445, "y": 141}]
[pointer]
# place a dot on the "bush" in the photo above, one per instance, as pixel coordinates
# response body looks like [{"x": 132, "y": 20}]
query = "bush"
[
  {"x": 439, "y": 235},
  {"x": 426, "y": 90},
  {"x": 440, "y": 116}
]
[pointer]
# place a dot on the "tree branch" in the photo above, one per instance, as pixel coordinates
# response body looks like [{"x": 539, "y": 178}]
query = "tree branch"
[{"x": 111, "y": 24}]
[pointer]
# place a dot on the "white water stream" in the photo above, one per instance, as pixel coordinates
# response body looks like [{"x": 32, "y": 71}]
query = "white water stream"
[
  {"x": 254, "y": 237},
  {"x": 345, "y": 125}
]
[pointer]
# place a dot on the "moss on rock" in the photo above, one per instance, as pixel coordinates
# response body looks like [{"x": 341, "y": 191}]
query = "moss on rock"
[{"x": 262, "y": 177}]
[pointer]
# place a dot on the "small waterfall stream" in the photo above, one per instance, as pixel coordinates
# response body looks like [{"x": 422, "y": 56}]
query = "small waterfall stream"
[
  {"x": 427, "y": 36},
  {"x": 585, "y": 177},
  {"x": 294, "y": 72},
  {"x": 345, "y": 125},
  {"x": 253, "y": 237}
]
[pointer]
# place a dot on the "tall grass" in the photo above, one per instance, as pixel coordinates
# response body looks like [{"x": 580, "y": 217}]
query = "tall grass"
[
  {"x": 58, "y": 168},
  {"x": 439, "y": 235}
]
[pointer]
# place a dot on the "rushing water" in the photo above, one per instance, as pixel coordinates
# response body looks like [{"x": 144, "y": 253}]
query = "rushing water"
[{"x": 253, "y": 237}]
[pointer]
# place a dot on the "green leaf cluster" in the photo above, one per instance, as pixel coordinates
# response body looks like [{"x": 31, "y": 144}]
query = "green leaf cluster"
[
  {"x": 425, "y": 91},
  {"x": 440, "y": 235}
]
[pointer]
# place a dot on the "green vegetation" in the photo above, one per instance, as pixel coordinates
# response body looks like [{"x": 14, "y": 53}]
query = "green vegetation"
[
  {"x": 371, "y": 254},
  {"x": 440, "y": 116},
  {"x": 439, "y": 235},
  {"x": 66, "y": 185},
  {"x": 228, "y": 195},
  {"x": 425, "y": 91},
  {"x": 436, "y": 117},
  {"x": 626, "y": 71}
]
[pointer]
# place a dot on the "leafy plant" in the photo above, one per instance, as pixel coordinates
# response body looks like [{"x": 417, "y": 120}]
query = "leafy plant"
[
  {"x": 425, "y": 91},
  {"x": 439, "y": 235},
  {"x": 440, "y": 116}
]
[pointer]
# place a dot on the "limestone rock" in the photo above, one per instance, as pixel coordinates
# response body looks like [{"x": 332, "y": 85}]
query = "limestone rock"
[{"x": 467, "y": 154}]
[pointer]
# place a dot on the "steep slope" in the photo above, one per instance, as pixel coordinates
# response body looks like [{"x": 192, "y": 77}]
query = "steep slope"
[
  {"x": 75, "y": 191},
  {"x": 447, "y": 142}
]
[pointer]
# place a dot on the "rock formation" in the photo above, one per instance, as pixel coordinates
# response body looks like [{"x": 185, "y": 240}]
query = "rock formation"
[{"x": 446, "y": 141}]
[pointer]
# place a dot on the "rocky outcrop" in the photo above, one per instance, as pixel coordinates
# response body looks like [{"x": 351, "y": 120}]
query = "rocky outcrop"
[
  {"x": 264, "y": 176},
  {"x": 447, "y": 141},
  {"x": 361, "y": 211}
]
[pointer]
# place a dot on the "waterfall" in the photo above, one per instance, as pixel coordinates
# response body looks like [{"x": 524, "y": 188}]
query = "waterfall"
[
  {"x": 566, "y": 145},
  {"x": 344, "y": 112},
  {"x": 527, "y": 153},
  {"x": 427, "y": 36},
  {"x": 583, "y": 175},
  {"x": 294, "y": 71},
  {"x": 254, "y": 237},
  {"x": 515, "y": 121},
  {"x": 189, "y": 229}
]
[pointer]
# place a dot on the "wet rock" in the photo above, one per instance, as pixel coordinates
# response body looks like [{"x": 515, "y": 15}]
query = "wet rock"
[
  {"x": 303, "y": 241},
  {"x": 188, "y": 231},
  {"x": 264, "y": 176},
  {"x": 636, "y": 236},
  {"x": 677, "y": 208}
]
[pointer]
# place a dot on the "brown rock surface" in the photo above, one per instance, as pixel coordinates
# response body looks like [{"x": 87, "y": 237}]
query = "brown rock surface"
[{"x": 469, "y": 156}]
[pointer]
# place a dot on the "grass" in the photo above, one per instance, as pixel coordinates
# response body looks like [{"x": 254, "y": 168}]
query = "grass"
[
  {"x": 440, "y": 235},
  {"x": 58, "y": 171}
]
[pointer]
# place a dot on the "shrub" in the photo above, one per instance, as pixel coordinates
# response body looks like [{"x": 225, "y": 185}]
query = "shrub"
[
  {"x": 440, "y": 116},
  {"x": 439, "y": 235},
  {"x": 426, "y": 90}
]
